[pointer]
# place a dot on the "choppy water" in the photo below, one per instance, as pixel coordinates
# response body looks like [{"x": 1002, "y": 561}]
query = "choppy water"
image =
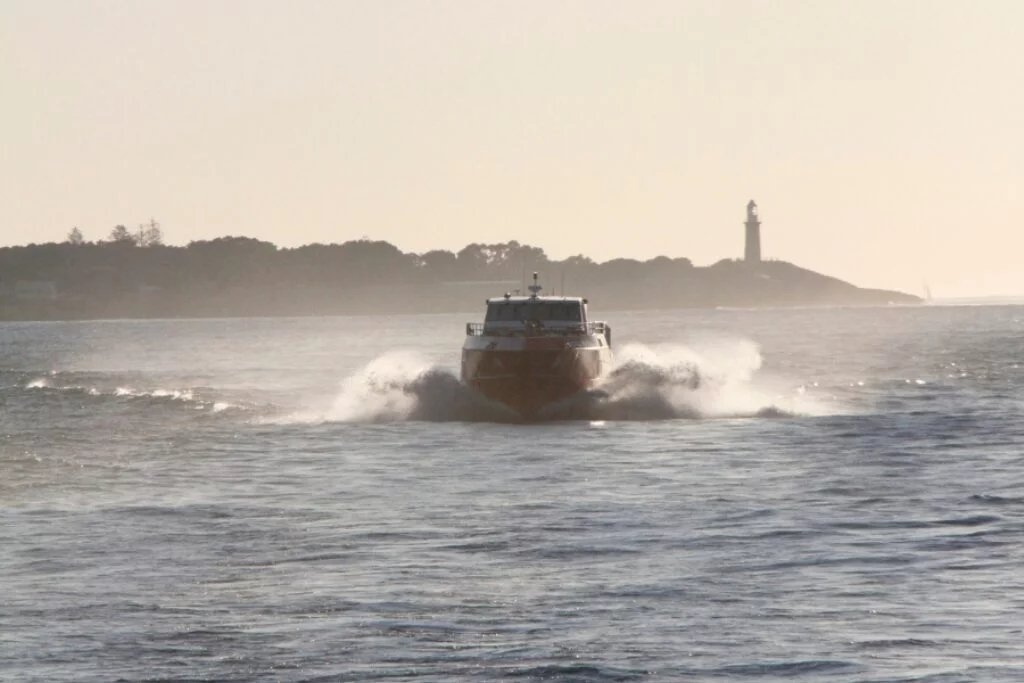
[{"x": 818, "y": 495}]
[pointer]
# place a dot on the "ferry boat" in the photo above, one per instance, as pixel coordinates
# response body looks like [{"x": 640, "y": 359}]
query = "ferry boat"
[{"x": 532, "y": 351}]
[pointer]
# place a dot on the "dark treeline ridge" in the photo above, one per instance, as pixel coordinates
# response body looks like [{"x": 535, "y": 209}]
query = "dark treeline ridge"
[{"x": 241, "y": 276}]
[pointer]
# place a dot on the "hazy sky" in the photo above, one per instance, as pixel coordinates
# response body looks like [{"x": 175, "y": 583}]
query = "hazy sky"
[{"x": 883, "y": 140}]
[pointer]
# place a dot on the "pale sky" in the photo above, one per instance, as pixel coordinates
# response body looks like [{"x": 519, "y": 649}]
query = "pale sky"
[{"x": 882, "y": 139}]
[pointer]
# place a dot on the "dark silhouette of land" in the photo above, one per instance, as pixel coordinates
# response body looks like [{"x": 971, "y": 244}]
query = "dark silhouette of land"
[{"x": 137, "y": 276}]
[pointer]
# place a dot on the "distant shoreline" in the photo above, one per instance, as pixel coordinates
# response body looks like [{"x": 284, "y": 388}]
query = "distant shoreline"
[
  {"x": 597, "y": 309},
  {"x": 239, "y": 277}
]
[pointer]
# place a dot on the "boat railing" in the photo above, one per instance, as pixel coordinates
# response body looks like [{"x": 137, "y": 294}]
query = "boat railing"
[{"x": 483, "y": 329}]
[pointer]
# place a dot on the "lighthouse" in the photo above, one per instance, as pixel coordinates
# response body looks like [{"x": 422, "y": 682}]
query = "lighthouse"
[{"x": 752, "y": 251}]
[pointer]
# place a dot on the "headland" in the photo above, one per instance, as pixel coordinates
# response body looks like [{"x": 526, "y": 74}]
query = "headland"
[{"x": 243, "y": 277}]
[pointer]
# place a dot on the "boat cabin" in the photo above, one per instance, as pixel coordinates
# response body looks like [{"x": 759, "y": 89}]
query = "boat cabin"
[{"x": 537, "y": 315}]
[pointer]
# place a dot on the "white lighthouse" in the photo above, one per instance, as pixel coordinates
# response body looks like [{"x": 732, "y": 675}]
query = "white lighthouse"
[{"x": 752, "y": 250}]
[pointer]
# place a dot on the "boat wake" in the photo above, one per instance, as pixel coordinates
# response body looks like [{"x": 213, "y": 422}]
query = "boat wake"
[
  {"x": 677, "y": 382},
  {"x": 402, "y": 386},
  {"x": 646, "y": 383}
]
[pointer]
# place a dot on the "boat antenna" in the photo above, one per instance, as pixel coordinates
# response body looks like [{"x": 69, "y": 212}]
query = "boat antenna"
[{"x": 535, "y": 288}]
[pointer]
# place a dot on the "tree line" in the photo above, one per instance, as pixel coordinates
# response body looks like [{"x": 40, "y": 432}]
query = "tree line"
[
  {"x": 147, "y": 235},
  {"x": 132, "y": 273},
  {"x": 140, "y": 257}
]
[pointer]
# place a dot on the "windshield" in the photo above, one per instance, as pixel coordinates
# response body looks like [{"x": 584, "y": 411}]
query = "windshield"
[{"x": 568, "y": 311}]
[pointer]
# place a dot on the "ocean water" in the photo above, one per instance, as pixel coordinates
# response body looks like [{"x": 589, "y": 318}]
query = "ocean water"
[{"x": 780, "y": 495}]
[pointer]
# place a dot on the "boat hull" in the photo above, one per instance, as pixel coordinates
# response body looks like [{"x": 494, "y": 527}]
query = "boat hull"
[{"x": 527, "y": 380}]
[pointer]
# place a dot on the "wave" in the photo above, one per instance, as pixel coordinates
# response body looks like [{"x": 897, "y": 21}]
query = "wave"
[
  {"x": 193, "y": 397},
  {"x": 646, "y": 383}
]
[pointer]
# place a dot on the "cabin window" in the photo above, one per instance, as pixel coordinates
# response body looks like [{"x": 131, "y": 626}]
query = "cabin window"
[{"x": 541, "y": 311}]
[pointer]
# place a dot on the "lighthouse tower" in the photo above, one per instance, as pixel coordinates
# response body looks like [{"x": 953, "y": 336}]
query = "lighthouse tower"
[{"x": 752, "y": 252}]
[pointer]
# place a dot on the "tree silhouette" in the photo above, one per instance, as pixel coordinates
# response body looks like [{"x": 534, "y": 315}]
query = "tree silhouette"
[
  {"x": 120, "y": 235},
  {"x": 149, "y": 234},
  {"x": 438, "y": 265},
  {"x": 75, "y": 236}
]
